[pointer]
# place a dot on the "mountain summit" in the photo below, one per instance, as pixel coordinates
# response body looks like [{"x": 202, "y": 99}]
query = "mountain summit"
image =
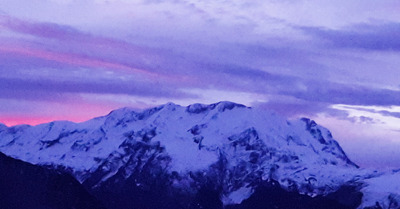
[{"x": 223, "y": 154}]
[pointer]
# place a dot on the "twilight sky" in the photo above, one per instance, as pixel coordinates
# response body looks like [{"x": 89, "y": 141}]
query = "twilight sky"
[{"x": 337, "y": 62}]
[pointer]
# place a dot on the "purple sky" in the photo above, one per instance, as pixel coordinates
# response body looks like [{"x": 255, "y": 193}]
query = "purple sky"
[{"x": 337, "y": 62}]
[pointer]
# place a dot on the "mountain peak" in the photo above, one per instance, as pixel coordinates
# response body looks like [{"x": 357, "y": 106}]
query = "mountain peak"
[
  {"x": 2, "y": 125},
  {"x": 220, "y": 106}
]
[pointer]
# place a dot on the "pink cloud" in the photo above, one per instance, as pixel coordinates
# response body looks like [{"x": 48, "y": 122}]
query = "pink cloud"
[
  {"x": 30, "y": 120},
  {"x": 72, "y": 59},
  {"x": 77, "y": 111},
  {"x": 67, "y": 45}
]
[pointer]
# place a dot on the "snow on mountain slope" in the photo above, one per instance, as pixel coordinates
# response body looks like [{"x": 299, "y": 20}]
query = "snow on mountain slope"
[
  {"x": 382, "y": 187},
  {"x": 246, "y": 143}
]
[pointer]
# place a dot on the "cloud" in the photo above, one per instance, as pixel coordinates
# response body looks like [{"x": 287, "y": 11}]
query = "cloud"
[
  {"x": 378, "y": 111},
  {"x": 294, "y": 108},
  {"x": 250, "y": 66},
  {"x": 364, "y": 119},
  {"x": 313, "y": 89},
  {"x": 55, "y": 90},
  {"x": 44, "y": 30},
  {"x": 391, "y": 114},
  {"x": 376, "y": 37},
  {"x": 16, "y": 111},
  {"x": 70, "y": 46},
  {"x": 336, "y": 93}
]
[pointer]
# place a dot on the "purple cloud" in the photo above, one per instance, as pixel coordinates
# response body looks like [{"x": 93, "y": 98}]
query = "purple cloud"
[
  {"x": 73, "y": 47},
  {"x": 45, "y": 30},
  {"x": 336, "y": 93},
  {"x": 365, "y": 119},
  {"x": 290, "y": 107},
  {"x": 311, "y": 90},
  {"x": 380, "y": 37},
  {"x": 47, "y": 89},
  {"x": 251, "y": 66}
]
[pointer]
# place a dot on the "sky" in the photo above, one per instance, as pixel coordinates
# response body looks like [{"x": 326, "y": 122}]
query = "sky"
[{"x": 337, "y": 62}]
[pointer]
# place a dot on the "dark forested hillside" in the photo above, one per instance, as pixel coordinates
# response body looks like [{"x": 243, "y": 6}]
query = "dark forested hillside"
[{"x": 26, "y": 186}]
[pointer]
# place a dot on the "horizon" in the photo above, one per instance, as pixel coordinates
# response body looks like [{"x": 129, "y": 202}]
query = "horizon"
[{"x": 336, "y": 63}]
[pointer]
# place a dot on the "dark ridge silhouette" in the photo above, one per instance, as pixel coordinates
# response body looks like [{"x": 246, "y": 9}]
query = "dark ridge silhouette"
[
  {"x": 27, "y": 186},
  {"x": 269, "y": 195}
]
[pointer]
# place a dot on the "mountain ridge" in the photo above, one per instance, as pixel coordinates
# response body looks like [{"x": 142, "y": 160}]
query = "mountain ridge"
[
  {"x": 23, "y": 185},
  {"x": 229, "y": 144}
]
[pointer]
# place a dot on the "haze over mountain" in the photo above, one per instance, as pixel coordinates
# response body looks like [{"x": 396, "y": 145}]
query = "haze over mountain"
[{"x": 202, "y": 156}]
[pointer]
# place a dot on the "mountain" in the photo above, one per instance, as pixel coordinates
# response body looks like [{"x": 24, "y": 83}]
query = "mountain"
[
  {"x": 203, "y": 156},
  {"x": 23, "y": 185}
]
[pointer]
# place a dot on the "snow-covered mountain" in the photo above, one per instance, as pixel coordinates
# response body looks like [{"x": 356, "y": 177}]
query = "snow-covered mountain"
[{"x": 227, "y": 146}]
